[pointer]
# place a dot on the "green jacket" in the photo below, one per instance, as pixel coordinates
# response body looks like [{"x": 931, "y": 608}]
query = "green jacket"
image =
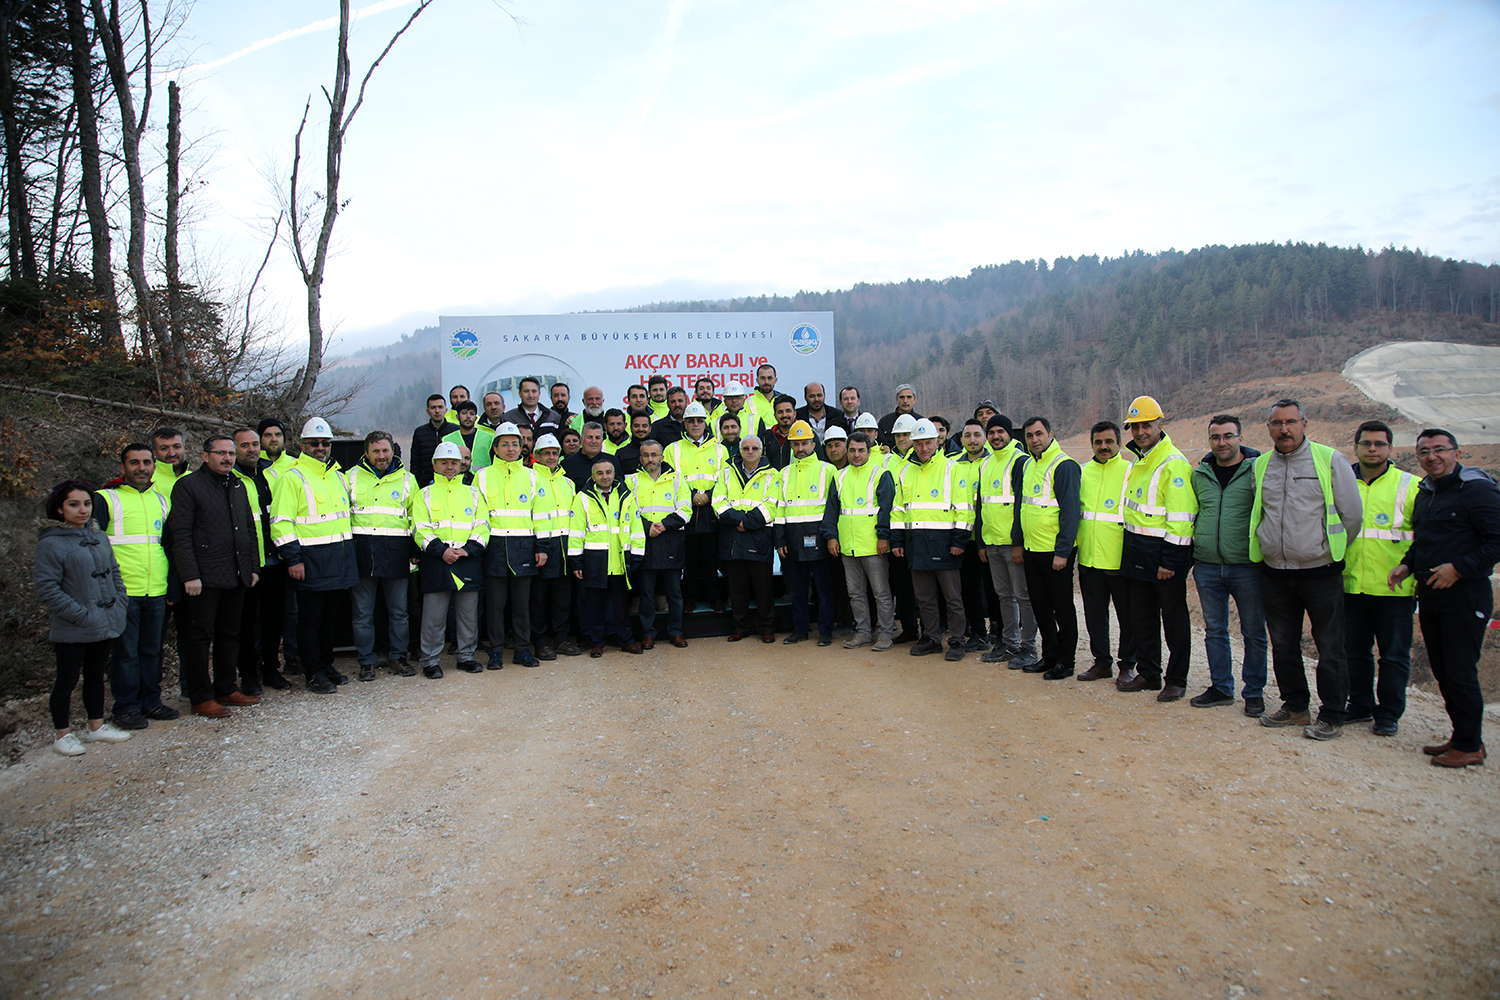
[{"x": 1221, "y": 534}]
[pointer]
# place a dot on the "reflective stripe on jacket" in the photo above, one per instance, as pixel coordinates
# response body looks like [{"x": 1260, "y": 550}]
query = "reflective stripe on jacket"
[
  {"x": 867, "y": 496},
  {"x": 449, "y": 513},
  {"x": 805, "y": 520},
  {"x": 1160, "y": 508},
  {"x": 508, "y": 495},
  {"x": 380, "y": 518},
  {"x": 932, "y": 514},
  {"x": 602, "y": 533},
  {"x": 310, "y": 525},
  {"x": 136, "y": 519},
  {"x": 1386, "y": 532},
  {"x": 1049, "y": 510},
  {"x": 995, "y": 507},
  {"x": 1101, "y": 533}
]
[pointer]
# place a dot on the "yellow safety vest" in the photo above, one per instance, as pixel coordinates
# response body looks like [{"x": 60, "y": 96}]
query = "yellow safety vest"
[
  {"x": 1101, "y": 533},
  {"x": 1040, "y": 508},
  {"x": 997, "y": 501},
  {"x": 135, "y": 521},
  {"x": 1160, "y": 501},
  {"x": 859, "y": 508},
  {"x": 1386, "y": 533}
]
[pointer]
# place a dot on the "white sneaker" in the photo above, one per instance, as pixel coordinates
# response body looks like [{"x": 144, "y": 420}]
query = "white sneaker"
[
  {"x": 107, "y": 733},
  {"x": 69, "y": 746}
]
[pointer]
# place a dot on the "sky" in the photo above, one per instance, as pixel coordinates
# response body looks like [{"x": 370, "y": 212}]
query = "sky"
[{"x": 533, "y": 157}]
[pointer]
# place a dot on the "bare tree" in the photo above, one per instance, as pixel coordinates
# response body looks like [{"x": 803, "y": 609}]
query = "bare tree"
[
  {"x": 81, "y": 43},
  {"x": 312, "y": 260}
]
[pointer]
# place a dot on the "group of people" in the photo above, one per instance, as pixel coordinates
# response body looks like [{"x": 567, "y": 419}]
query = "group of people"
[{"x": 524, "y": 528}]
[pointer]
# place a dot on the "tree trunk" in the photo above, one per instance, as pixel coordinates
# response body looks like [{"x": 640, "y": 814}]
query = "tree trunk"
[
  {"x": 17, "y": 192},
  {"x": 174, "y": 280},
  {"x": 93, "y": 176},
  {"x": 150, "y": 322}
]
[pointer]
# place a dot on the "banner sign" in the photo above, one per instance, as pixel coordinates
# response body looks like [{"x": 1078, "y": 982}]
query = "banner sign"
[{"x": 617, "y": 350}]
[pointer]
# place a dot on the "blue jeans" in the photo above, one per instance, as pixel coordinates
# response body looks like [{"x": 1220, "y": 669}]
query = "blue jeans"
[
  {"x": 1217, "y": 583},
  {"x": 1372, "y": 620},
  {"x": 363, "y": 597},
  {"x": 670, "y": 581},
  {"x": 135, "y": 657}
]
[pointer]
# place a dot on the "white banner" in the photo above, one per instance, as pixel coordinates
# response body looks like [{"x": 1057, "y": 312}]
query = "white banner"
[{"x": 617, "y": 350}]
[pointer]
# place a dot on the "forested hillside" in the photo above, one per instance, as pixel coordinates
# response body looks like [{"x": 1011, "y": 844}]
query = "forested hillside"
[{"x": 1078, "y": 338}]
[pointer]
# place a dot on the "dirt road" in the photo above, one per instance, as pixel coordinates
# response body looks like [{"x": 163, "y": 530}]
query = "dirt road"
[{"x": 741, "y": 821}]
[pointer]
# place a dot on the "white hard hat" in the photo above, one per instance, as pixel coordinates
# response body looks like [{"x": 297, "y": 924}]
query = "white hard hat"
[
  {"x": 694, "y": 409},
  {"x": 546, "y": 441},
  {"x": 907, "y": 424},
  {"x": 925, "y": 430},
  {"x": 447, "y": 449},
  {"x": 507, "y": 429},
  {"x": 736, "y": 388},
  {"x": 866, "y": 422},
  {"x": 835, "y": 434},
  {"x": 317, "y": 427}
]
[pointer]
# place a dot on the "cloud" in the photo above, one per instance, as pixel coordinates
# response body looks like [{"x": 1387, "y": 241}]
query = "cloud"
[{"x": 328, "y": 23}]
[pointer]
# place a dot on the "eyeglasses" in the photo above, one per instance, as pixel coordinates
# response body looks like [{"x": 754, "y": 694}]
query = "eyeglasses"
[
  {"x": 1279, "y": 424},
  {"x": 1429, "y": 452}
]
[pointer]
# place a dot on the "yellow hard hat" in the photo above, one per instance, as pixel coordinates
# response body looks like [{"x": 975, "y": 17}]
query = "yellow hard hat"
[
  {"x": 800, "y": 431},
  {"x": 1143, "y": 409}
]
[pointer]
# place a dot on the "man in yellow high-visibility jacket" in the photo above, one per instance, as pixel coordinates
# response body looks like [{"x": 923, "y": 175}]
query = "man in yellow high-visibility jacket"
[
  {"x": 1101, "y": 541},
  {"x": 451, "y": 530},
  {"x": 1374, "y": 615},
  {"x": 1048, "y": 512}
]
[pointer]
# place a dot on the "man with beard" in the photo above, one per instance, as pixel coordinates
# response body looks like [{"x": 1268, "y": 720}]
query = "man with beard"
[{"x": 593, "y": 409}]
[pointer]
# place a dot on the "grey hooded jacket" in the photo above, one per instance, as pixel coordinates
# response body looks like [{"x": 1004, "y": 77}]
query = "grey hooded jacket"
[{"x": 78, "y": 580}]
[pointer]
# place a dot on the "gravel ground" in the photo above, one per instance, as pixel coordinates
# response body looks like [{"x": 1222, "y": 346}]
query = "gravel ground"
[{"x": 737, "y": 821}]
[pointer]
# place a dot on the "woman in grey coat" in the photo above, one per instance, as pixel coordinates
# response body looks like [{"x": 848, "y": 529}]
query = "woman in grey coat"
[{"x": 78, "y": 580}]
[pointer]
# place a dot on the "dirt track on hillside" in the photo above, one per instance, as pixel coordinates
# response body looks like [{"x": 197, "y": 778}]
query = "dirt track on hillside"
[{"x": 736, "y": 821}]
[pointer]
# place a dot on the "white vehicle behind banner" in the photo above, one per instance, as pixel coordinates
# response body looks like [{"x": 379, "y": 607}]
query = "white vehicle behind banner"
[{"x": 617, "y": 350}]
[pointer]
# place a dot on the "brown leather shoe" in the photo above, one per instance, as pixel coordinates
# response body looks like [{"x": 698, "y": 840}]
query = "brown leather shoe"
[
  {"x": 1438, "y": 749},
  {"x": 238, "y": 698},
  {"x": 736, "y": 636},
  {"x": 678, "y": 641},
  {"x": 633, "y": 647},
  {"x": 1096, "y": 673},
  {"x": 1139, "y": 682},
  {"x": 649, "y": 642},
  {"x": 768, "y": 637},
  {"x": 212, "y": 709},
  {"x": 1459, "y": 758},
  {"x": 1172, "y": 692}
]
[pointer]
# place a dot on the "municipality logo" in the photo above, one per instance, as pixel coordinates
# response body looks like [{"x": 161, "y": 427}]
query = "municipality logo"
[
  {"x": 1382, "y": 519},
  {"x": 464, "y": 344},
  {"x": 805, "y": 339}
]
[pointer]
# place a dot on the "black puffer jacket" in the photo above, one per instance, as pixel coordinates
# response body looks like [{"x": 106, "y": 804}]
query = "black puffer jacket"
[{"x": 209, "y": 531}]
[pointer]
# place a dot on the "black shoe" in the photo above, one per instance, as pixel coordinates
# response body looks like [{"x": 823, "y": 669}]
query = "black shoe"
[
  {"x": 955, "y": 651},
  {"x": 546, "y": 652},
  {"x": 274, "y": 679},
  {"x": 434, "y": 673},
  {"x": 1385, "y": 728},
  {"x": 497, "y": 660},
  {"x": 401, "y": 667},
  {"x": 1359, "y": 717},
  {"x": 569, "y": 648},
  {"x": 1061, "y": 672},
  {"x": 366, "y": 672},
  {"x": 336, "y": 677},
  {"x": 523, "y": 658},
  {"x": 907, "y": 635},
  {"x": 130, "y": 720},
  {"x": 1212, "y": 698},
  {"x": 842, "y": 632},
  {"x": 1255, "y": 707},
  {"x": 320, "y": 684},
  {"x": 162, "y": 713},
  {"x": 253, "y": 690},
  {"x": 927, "y": 647},
  {"x": 718, "y": 607},
  {"x": 1039, "y": 667},
  {"x": 976, "y": 644},
  {"x": 470, "y": 667},
  {"x": 825, "y": 640},
  {"x": 794, "y": 638}
]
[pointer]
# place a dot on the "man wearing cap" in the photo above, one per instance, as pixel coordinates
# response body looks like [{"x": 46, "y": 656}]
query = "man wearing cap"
[
  {"x": 1000, "y": 485},
  {"x": 1306, "y": 509},
  {"x": 835, "y": 451},
  {"x": 818, "y": 416},
  {"x": 478, "y": 440},
  {"x": 311, "y": 530},
  {"x": 699, "y": 459},
  {"x": 735, "y": 395},
  {"x": 530, "y": 412},
  {"x": 552, "y": 589},
  {"x": 605, "y": 541},
  {"x": 775, "y": 440},
  {"x": 508, "y": 493},
  {"x": 933, "y": 520},
  {"x": 1101, "y": 542},
  {"x": 1046, "y": 526},
  {"x": 979, "y": 595},
  {"x": 1160, "y": 508},
  {"x": 835, "y": 448},
  {"x": 450, "y": 530},
  {"x": 745, "y": 501},
  {"x": 807, "y": 520},
  {"x": 667, "y": 429},
  {"x": 274, "y": 459},
  {"x": 663, "y": 501},
  {"x": 380, "y": 492},
  {"x": 866, "y": 496},
  {"x": 906, "y": 406}
]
